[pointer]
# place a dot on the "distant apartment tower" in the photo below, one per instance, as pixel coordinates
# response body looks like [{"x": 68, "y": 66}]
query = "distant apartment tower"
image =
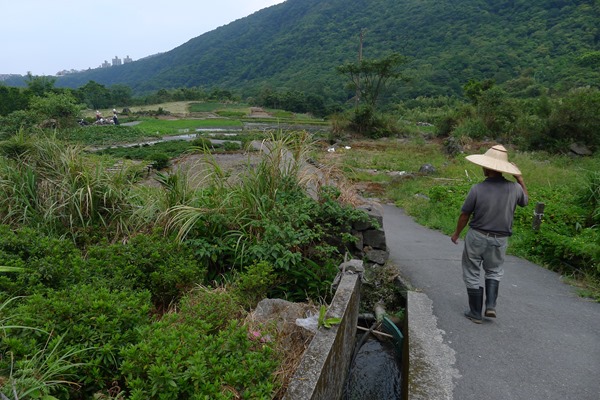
[
  {"x": 116, "y": 61},
  {"x": 127, "y": 60},
  {"x": 105, "y": 64}
]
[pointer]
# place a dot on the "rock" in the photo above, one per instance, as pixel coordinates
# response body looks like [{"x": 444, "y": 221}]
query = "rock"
[
  {"x": 452, "y": 147},
  {"x": 580, "y": 149},
  {"x": 375, "y": 238},
  {"x": 375, "y": 220},
  {"x": 359, "y": 243},
  {"x": 377, "y": 256},
  {"x": 427, "y": 169},
  {"x": 284, "y": 314},
  {"x": 354, "y": 266}
]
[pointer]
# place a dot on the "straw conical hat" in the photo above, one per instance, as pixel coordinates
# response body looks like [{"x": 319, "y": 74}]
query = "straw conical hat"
[{"x": 495, "y": 159}]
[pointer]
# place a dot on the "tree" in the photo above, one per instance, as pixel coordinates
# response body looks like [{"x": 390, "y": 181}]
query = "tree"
[
  {"x": 474, "y": 89},
  {"x": 94, "y": 95},
  {"x": 120, "y": 95},
  {"x": 12, "y": 99},
  {"x": 575, "y": 118},
  {"x": 60, "y": 107},
  {"x": 370, "y": 77},
  {"x": 39, "y": 85}
]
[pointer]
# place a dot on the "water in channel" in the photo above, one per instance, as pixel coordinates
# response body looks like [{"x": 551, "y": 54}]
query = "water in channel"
[{"x": 375, "y": 372}]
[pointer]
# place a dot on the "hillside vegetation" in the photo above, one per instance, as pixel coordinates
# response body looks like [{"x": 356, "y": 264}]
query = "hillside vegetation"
[{"x": 296, "y": 45}]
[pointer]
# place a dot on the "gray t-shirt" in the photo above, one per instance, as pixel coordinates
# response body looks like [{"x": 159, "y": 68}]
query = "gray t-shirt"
[{"x": 492, "y": 204}]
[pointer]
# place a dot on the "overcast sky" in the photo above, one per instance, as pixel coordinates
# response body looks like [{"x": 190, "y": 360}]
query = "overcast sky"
[{"x": 47, "y": 36}]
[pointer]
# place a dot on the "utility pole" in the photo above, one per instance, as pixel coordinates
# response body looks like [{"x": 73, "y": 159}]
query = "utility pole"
[{"x": 360, "y": 49}]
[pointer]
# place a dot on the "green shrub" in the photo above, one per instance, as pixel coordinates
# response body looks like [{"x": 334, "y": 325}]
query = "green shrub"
[
  {"x": 88, "y": 317},
  {"x": 575, "y": 118},
  {"x": 254, "y": 283},
  {"x": 48, "y": 263},
  {"x": 473, "y": 128},
  {"x": 202, "y": 143},
  {"x": 231, "y": 146},
  {"x": 366, "y": 121},
  {"x": 160, "y": 161},
  {"x": 564, "y": 242},
  {"x": 589, "y": 197},
  {"x": 160, "y": 265},
  {"x": 17, "y": 120},
  {"x": 304, "y": 240},
  {"x": 447, "y": 122},
  {"x": 183, "y": 357}
]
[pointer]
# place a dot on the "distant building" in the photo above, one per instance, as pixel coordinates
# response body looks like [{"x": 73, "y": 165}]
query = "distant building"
[
  {"x": 127, "y": 60},
  {"x": 105, "y": 64},
  {"x": 116, "y": 61}
]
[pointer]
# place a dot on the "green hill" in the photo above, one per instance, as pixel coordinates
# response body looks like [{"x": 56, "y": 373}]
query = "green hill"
[{"x": 297, "y": 44}]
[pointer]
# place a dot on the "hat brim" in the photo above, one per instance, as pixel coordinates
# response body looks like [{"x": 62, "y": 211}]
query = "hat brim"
[{"x": 494, "y": 164}]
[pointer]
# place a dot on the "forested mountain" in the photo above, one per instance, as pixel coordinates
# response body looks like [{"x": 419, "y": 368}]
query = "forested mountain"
[{"x": 297, "y": 44}]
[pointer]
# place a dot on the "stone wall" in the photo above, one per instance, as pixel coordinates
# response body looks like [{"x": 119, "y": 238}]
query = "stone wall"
[{"x": 370, "y": 244}]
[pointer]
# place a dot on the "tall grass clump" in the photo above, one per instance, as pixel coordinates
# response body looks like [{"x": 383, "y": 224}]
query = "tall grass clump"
[
  {"x": 267, "y": 214},
  {"x": 60, "y": 189}
]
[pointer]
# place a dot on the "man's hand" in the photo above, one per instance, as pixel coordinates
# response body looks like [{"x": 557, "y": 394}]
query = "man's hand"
[
  {"x": 463, "y": 219},
  {"x": 454, "y": 238},
  {"x": 521, "y": 182}
]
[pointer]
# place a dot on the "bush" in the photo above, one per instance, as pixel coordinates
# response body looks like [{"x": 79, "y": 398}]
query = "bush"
[
  {"x": 160, "y": 161},
  {"x": 162, "y": 266},
  {"x": 446, "y": 123},
  {"x": 60, "y": 107},
  {"x": 304, "y": 240},
  {"x": 589, "y": 196},
  {"x": 576, "y": 119},
  {"x": 254, "y": 283},
  {"x": 183, "y": 357},
  {"x": 48, "y": 263},
  {"x": 202, "y": 143},
  {"x": 17, "y": 120},
  {"x": 231, "y": 146},
  {"x": 88, "y": 317},
  {"x": 473, "y": 128}
]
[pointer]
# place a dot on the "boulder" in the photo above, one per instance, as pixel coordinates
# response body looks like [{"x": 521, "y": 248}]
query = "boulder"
[
  {"x": 427, "y": 169},
  {"x": 580, "y": 149},
  {"x": 375, "y": 238}
]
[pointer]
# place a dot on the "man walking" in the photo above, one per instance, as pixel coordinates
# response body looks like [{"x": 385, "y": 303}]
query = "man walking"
[{"x": 490, "y": 207}]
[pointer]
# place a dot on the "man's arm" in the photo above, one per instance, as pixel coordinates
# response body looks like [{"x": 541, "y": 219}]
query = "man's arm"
[
  {"x": 521, "y": 182},
  {"x": 463, "y": 219}
]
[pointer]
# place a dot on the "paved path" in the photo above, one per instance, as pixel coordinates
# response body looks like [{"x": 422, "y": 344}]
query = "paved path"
[{"x": 545, "y": 343}]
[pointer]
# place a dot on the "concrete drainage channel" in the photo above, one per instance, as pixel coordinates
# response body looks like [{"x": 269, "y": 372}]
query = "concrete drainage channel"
[
  {"x": 323, "y": 370},
  {"x": 325, "y": 366}
]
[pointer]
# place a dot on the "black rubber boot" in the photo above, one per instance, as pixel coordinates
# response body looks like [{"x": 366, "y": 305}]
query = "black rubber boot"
[
  {"x": 475, "y": 305},
  {"x": 491, "y": 294}
]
